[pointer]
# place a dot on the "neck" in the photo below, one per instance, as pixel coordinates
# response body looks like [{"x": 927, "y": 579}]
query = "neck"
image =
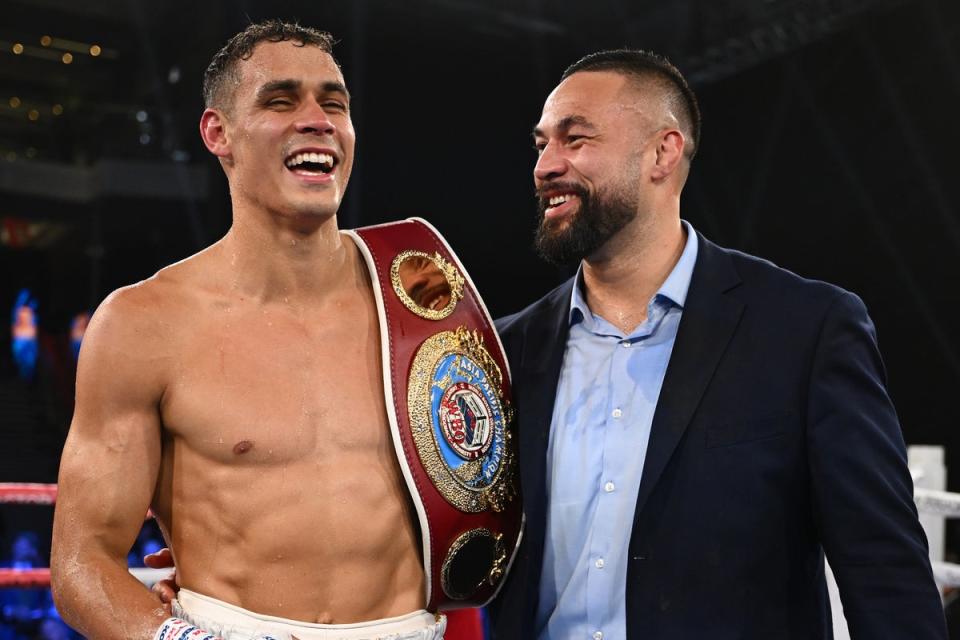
[
  {"x": 621, "y": 277},
  {"x": 289, "y": 259}
]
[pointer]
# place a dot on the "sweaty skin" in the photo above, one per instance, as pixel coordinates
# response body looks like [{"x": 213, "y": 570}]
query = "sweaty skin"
[{"x": 238, "y": 394}]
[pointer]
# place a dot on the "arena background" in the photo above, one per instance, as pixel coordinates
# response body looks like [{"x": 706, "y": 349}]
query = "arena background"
[{"x": 829, "y": 147}]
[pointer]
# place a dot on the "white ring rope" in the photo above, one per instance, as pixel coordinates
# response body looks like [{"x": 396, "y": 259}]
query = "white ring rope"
[
  {"x": 943, "y": 503},
  {"x": 947, "y": 574},
  {"x": 150, "y": 577}
]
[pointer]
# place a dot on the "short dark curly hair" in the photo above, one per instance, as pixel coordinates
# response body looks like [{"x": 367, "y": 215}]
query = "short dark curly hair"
[
  {"x": 221, "y": 75},
  {"x": 646, "y": 65}
]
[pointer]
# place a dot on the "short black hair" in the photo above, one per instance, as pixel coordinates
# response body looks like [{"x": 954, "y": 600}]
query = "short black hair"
[
  {"x": 241, "y": 46},
  {"x": 644, "y": 66}
]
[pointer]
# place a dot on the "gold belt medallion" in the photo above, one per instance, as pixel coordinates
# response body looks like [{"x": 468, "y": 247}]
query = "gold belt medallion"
[{"x": 460, "y": 421}]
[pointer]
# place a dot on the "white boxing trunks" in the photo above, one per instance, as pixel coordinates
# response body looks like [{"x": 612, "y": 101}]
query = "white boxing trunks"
[{"x": 234, "y": 623}]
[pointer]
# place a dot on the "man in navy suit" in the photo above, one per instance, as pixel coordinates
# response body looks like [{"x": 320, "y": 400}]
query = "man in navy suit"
[{"x": 697, "y": 426}]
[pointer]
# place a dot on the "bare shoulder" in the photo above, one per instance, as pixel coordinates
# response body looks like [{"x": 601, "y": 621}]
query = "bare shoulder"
[
  {"x": 153, "y": 307},
  {"x": 137, "y": 313},
  {"x": 137, "y": 327}
]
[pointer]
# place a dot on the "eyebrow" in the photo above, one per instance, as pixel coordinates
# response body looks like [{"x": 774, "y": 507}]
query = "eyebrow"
[
  {"x": 275, "y": 86},
  {"x": 565, "y": 124}
]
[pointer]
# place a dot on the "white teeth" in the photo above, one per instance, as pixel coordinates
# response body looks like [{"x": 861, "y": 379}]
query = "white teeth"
[
  {"x": 555, "y": 200},
  {"x": 316, "y": 158}
]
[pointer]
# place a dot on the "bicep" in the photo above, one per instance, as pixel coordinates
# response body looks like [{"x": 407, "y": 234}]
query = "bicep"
[{"x": 112, "y": 455}]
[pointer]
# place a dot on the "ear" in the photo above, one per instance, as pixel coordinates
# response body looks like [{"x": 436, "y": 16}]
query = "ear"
[
  {"x": 213, "y": 132},
  {"x": 669, "y": 154}
]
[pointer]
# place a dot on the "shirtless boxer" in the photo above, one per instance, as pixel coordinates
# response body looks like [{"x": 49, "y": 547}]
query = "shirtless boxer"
[{"x": 238, "y": 394}]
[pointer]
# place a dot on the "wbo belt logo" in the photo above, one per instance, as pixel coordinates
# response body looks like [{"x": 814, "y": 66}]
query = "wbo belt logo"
[
  {"x": 460, "y": 421},
  {"x": 467, "y": 420}
]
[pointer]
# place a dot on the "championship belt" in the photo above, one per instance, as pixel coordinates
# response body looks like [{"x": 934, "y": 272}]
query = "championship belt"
[{"x": 446, "y": 382}]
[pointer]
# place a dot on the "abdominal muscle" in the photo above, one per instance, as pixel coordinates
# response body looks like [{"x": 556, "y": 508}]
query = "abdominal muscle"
[
  {"x": 326, "y": 538},
  {"x": 279, "y": 489}
]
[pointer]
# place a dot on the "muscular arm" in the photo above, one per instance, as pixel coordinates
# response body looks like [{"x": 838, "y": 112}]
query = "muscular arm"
[
  {"x": 108, "y": 471},
  {"x": 863, "y": 493}
]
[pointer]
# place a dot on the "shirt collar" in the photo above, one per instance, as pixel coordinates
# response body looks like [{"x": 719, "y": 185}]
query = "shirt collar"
[{"x": 674, "y": 288}]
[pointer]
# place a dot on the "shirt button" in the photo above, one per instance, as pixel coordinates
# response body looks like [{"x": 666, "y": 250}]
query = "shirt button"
[
  {"x": 599, "y": 563},
  {"x": 626, "y": 344},
  {"x": 617, "y": 413},
  {"x": 598, "y": 635},
  {"x": 609, "y": 487}
]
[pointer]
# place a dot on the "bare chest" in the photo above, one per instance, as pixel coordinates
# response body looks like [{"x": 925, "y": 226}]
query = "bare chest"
[{"x": 275, "y": 388}]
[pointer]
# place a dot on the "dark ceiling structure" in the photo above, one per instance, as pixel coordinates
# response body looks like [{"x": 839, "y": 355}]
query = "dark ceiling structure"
[{"x": 829, "y": 143}]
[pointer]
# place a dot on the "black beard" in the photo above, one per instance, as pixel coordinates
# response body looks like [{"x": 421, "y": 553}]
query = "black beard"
[{"x": 597, "y": 220}]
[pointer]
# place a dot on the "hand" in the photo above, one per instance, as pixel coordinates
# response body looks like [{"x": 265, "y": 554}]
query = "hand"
[{"x": 167, "y": 589}]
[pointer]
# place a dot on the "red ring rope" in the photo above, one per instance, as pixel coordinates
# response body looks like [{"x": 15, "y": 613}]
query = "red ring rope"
[
  {"x": 33, "y": 493},
  {"x": 24, "y": 578},
  {"x": 40, "y": 578},
  {"x": 27, "y": 493}
]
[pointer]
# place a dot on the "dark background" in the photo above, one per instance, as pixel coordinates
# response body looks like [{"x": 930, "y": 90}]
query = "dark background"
[{"x": 830, "y": 130}]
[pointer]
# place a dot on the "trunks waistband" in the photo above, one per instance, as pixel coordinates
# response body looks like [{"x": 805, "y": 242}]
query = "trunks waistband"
[{"x": 236, "y": 623}]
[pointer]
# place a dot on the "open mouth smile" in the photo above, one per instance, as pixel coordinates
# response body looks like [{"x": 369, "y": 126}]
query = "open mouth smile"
[
  {"x": 311, "y": 163},
  {"x": 559, "y": 203}
]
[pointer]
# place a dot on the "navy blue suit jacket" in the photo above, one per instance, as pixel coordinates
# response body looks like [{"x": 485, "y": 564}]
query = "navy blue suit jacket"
[{"x": 773, "y": 441}]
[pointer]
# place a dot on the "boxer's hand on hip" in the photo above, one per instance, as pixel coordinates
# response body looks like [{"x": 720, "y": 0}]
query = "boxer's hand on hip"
[{"x": 167, "y": 589}]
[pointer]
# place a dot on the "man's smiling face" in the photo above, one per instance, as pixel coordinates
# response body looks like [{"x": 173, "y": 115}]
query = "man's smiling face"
[
  {"x": 592, "y": 141},
  {"x": 290, "y": 140}
]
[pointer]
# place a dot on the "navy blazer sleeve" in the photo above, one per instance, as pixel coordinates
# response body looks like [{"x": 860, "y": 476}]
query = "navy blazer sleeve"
[{"x": 861, "y": 486}]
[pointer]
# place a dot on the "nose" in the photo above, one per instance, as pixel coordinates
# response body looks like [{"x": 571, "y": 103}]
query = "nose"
[
  {"x": 550, "y": 165},
  {"x": 314, "y": 120}
]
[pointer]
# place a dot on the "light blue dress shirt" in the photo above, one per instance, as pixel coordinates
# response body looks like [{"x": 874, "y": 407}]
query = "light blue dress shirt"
[{"x": 607, "y": 392}]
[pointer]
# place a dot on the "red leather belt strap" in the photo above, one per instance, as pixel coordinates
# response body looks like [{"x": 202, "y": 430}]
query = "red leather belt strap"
[{"x": 447, "y": 388}]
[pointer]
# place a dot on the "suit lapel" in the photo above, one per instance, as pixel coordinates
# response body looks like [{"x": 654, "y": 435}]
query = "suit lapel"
[
  {"x": 544, "y": 343},
  {"x": 708, "y": 322},
  {"x": 536, "y": 370}
]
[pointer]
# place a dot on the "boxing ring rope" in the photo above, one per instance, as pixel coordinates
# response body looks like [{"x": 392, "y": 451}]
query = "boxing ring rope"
[
  {"x": 40, "y": 578},
  {"x": 946, "y": 505},
  {"x": 930, "y": 502},
  {"x": 941, "y": 503},
  {"x": 27, "y": 493},
  {"x": 46, "y": 494}
]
